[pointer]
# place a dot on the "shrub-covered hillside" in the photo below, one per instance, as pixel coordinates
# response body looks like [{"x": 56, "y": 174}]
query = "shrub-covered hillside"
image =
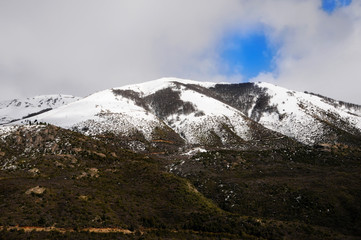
[{"x": 70, "y": 186}]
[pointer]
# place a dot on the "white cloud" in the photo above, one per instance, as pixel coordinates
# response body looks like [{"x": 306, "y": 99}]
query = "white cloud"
[
  {"x": 320, "y": 52},
  {"x": 82, "y": 46},
  {"x": 101, "y": 44}
]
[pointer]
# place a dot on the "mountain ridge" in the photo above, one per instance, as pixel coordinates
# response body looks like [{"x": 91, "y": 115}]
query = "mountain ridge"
[
  {"x": 17, "y": 109},
  {"x": 206, "y": 113},
  {"x": 173, "y": 159}
]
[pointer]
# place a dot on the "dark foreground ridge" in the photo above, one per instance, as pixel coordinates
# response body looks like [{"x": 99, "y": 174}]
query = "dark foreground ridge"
[{"x": 65, "y": 185}]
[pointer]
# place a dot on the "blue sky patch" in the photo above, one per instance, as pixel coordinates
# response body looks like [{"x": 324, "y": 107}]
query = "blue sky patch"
[
  {"x": 247, "y": 56},
  {"x": 330, "y": 5}
]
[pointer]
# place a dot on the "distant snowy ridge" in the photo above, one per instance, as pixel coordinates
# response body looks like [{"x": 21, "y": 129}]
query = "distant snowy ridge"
[{"x": 18, "y": 109}]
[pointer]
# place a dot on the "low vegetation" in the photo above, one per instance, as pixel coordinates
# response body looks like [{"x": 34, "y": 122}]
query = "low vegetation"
[{"x": 51, "y": 177}]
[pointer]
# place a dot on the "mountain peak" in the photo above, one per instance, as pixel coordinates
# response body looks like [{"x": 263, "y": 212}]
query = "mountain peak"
[
  {"x": 150, "y": 87},
  {"x": 206, "y": 113}
]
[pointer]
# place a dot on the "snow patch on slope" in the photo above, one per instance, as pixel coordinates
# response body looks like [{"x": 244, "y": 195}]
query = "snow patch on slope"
[
  {"x": 8, "y": 130},
  {"x": 212, "y": 116}
]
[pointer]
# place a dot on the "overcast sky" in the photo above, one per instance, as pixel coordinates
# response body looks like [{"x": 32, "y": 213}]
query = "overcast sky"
[{"x": 81, "y": 46}]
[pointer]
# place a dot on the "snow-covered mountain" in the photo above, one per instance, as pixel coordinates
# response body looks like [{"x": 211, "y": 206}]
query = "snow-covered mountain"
[
  {"x": 307, "y": 117},
  {"x": 16, "y": 109},
  {"x": 209, "y": 114},
  {"x": 164, "y": 109}
]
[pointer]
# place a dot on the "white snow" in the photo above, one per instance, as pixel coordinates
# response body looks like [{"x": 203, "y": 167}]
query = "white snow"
[
  {"x": 209, "y": 106},
  {"x": 100, "y": 112},
  {"x": 299, "y": 114},
  {"x": 193, "y": 151},
  {"x": 106, "y": 111},
  {"x": 196, "y": 128},
  {"x": 19, "y": 108},
  {"x": 90, "y": 107},
  {"x": 148, "y": 88}
]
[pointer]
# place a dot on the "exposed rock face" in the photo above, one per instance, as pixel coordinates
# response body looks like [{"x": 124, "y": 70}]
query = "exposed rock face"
[{"x": 35, "y": 190}]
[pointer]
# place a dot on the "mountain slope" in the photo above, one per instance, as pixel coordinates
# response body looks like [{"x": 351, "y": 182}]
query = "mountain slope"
[
  {"x": 208, "y": 168},
  {"x": 306, "y": 117},
  {"x": 51, "y": 176},
  {"x": 164, "y": 109},
  {"x": 16, "y": 109},
  {"x": 103, "y": 111},
  {"x": 211, "y": 114}
]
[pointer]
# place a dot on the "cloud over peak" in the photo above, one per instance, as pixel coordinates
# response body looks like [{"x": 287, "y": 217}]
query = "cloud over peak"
[{"x": 79, "y": 47}]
